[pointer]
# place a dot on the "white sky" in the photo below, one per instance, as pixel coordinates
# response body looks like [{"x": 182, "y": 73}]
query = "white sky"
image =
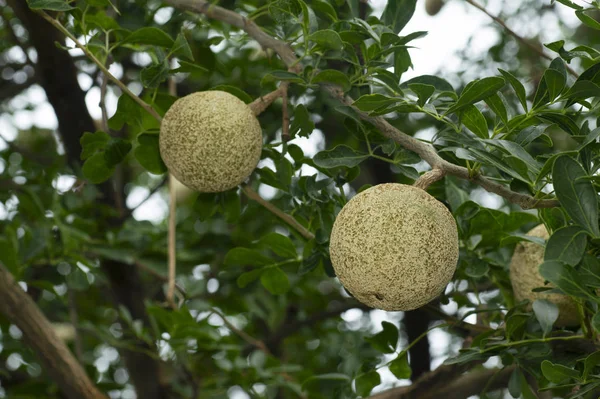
[{"x": 449, "y": 31}]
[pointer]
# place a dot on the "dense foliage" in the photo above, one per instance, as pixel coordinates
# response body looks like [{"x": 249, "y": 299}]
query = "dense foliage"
[{"x": 258, "y": 308}]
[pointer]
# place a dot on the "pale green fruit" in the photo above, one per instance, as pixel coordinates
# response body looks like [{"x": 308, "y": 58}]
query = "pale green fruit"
[
  {"x": 525, "y": 276},
  {"x": 210, "y": 141},
  {"x": 394, "y": 247}
]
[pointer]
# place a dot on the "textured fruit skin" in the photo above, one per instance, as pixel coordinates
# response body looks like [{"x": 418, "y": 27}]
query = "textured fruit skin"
[
  {"x": 394, "y": 247},
  {"x": 433, "y": 6},
  {"x": 525, "y": 276},
  {"x": 210, "y": 141}
]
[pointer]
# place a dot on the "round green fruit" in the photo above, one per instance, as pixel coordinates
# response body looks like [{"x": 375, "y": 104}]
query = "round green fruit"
[
  {"x": 394, "y": 247},
  {"x": 210, "y": 141},
  {"x": 525, "y": 276},
  {"x": 433, "y": 6}
]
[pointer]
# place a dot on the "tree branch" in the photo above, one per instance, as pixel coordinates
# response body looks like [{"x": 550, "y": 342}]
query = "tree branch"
[
  {"x": 448, "y": 382},
  {"x": 253, "y": 195},
  {"x": 56, "y": 357},
  {"x": 424, "y": 150},
  {"x": 514, "y": 34}
]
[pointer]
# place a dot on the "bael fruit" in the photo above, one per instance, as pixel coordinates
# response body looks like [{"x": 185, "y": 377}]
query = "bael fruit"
[
  {"x": 210, "y": 141},
  {"x": 525, "y": 276},
  {"x": 394, "y": 247}
]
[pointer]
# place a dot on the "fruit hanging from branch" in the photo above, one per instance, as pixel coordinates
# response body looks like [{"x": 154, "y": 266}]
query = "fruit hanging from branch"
[
  {"x": 210, "y": 141},
  {"x": 394, "y": 247}
]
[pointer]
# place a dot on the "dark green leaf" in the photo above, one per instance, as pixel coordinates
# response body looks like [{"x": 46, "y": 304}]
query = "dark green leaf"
[
  {"x": 246, "y": 278},
  {"x": 181, "y": 47},
  {"x": 400, "y": 367},
  {"x": 477, "y": 91},
  {"x": 555, "y": 82},
  {"x": 586, "y": 19},
  {"x": 590, "y": 362},
  {"x": 496, "y": 104},
  {"x": 335, "y": 77},
  {"x": 328, "y": 39},
  {"x": 52, "y": 5},
  {"x": 279, "y": 244},
  {"x": 147, "y": 154},
  {"x": 564, "y": 277},
  {"x": 150, "y": 36},
  {"x": 576, "y": 195},
  {"x": 8, "y": 255},
  {"x": 275, "y": 281},
  {"x": 301, "y": 124},
  {"x": 563, "y": 121},
  {"x": 366, "y": 382},
  {"x": 557, "y": 372},
  {"x": 245, "y": 256},
  {"x": 435, "y": 81},
  {"x": 474, "y": 120},
  {"x": 582, "y": 90},
  {"x": 397, "y": 13},
  {"x": 517, "y": 87},
  {"x": 386, "y": 340},
  {"x": 152, "y": 76},
  {"x": 370, "y": 102},
  {"x": 566, "y": 245},
  {"x": 340, "y": 155},
  {"x": 92, "y": 143},
  {"x": 96, "y": 170},
  {"x": 116, "y": 151},
  {"x": 423, "y": 91}
]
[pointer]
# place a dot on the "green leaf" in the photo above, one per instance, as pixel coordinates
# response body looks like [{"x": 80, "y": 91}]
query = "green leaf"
[
  {"x": 517, "y": 87},
  {"x": 275, "y": 281},
  {"x": 328, "y": 39},
  {"x": 477, "y": 91},
  {"x": 563, "y": 121},
  {"x": 386, "y": 340},
  {"x": 587, "y": 20},
  {"x": 341, "y": 155},
  {"x": 128, "y": 112},
  {"x": 596, "y": 321},
  {"x": 279, "y": 244},
  {"x": 423, "y": 91},
  {"x": 301, "y": 124},
  {"x": 566, "y": 245},
  {"x": 246, "y": 278},
  {"x": 474, "y": 120},
  {"x": 576, "y": 195},
  {"x": 147, "y": 154},
  {"x": 323, "y": 7},
  {"x": 397, "y": 13},
  {"x": 514, "y": 383},
  {"x": 333, "y": 76},
  {"x": 546, "y": 312},
  {"x": 116, "y": 151},
  {"x": 52, "y": 5},
  {"x": 313, "y": 382},
  {"x": 400, "y": 367},
  {"x": 435, "y": 81},
  {"x": 582, "y": 90},
  {"x": 181, "y": 47},
  {"x": 95, "y": 169},
  {"x": 153, "y": 75},
  {"x": 284, "y": 76},
  {"x": 371, "y": 102},
  {"x": 236, "y": 91},
  {"x": 150, "y": 36},
  {"x": 188, "y": 67},
  {"x": 366, "y": 382},
  {"x": 558, "y": 373},
  {"x": 92, "y": 143},
  {"x": 245, "y": 256},
  {"x": 590, "y": 362},
  {"x": 496, "y": 104},
  {"x": 590, "y": 138},
  {"x": 564, "y": 277},
  {"x": 555, "y": 82}
]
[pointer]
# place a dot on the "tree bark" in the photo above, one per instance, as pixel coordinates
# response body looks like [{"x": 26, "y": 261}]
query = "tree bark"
[{"x": 56, "y": 357}]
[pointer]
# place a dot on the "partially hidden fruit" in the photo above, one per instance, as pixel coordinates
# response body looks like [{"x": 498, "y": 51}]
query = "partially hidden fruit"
[
  {"x": 394, "y": 247},
  {"x": 525, "y": 276},
  {"x": 433, "y": 6},
  {"x": 210, "y": 141}
]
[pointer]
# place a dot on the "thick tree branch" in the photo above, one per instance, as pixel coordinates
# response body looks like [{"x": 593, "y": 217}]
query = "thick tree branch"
[
  {"x": 58, "y": 361},
  {"x": 424, "y": 150},
  {"x": 448, "y": 382}
]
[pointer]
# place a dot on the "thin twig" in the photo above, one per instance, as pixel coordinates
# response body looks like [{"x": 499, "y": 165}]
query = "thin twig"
[
  {"x": 514, "y": 34},
  {"x": 259, "y": 105},
  {"x": 426, "y": 151},
  {"x": 428, "y": 178},
  {"x": 172, "y": 242},
  {"x": 100, "y": 65},
  {"x": 253, "y": 195},
  {"x": 172, "y": 218},
  {"x": 243, "y": 335},
  {"x": 129, "y": 212},
  {"x": 285, "y": 123}
]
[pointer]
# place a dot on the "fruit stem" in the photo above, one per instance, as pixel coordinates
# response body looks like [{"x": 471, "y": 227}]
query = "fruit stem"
[{"x": 429, "y": 178}]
